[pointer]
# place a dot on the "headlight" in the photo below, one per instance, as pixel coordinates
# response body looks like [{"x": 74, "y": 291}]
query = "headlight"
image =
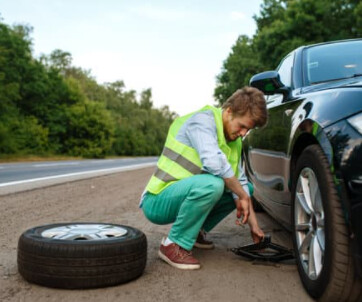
[{"x": 356, "y": 122}]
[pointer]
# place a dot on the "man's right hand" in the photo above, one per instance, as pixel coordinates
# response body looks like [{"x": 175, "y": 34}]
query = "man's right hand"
[
  {"x": 242, "y": 208},
  {"x": 243, "y": 202}
]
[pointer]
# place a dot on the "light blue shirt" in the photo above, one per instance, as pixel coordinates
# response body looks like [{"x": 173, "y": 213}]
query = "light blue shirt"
[{"x": 199, "y": 132}]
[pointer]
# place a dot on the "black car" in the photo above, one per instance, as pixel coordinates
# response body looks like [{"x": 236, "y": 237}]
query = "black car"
[{"x": 306, "y": 163}]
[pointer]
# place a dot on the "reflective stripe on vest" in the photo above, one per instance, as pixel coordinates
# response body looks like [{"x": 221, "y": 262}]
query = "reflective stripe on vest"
[
  {"x": 182, "y": 161},
  {"x": 179, "y": 161}
]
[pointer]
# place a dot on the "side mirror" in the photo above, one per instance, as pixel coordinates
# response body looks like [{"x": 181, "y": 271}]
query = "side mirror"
[{"x": 268, "y": 82}]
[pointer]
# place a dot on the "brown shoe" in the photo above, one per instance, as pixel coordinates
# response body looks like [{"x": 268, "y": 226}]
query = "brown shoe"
[
  {"x": 202, "y": 243},
  {"x": 178, "y": 257}
]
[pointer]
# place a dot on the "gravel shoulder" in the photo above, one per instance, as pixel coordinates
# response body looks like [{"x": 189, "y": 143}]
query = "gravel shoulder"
[{"x": 114, "y": 199}]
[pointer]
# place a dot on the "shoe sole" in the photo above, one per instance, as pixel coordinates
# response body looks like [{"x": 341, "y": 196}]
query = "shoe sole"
[{"x": 178, "y": 265}]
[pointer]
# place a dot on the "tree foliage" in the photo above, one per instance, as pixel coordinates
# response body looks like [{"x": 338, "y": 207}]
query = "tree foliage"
[
  {"x": 283, "y": 25},
  {"x": 237, "y": 69},
  {"x": 48, "y": 106}
]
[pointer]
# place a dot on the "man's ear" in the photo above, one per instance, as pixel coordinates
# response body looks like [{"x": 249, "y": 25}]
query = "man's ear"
[{"x": 229, "y": 113}]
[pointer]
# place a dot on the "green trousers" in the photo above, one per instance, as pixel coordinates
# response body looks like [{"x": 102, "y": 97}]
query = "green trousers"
[{"x": 194, "y": 203}]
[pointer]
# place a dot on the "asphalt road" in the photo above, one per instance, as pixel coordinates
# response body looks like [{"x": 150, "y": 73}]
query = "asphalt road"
[
  {"x": 114, "y": 198},
  {"x": 17, "y": 177}
]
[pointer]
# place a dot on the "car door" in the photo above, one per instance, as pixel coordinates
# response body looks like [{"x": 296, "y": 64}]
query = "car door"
[{"x": 268, "y": 160}]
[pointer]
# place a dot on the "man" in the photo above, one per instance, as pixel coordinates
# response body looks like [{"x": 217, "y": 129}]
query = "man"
[{"x": 199, "y": 178}]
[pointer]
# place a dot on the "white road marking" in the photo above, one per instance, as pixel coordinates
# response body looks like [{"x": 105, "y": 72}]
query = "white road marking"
[{"x": 119, "y": 169}]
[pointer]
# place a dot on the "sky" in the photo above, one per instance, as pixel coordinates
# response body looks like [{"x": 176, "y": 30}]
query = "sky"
[{"x": 176, "y": 48}]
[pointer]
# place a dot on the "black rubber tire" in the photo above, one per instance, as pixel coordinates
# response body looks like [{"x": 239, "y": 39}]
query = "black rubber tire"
[
  {"x": 75, "y": 264},
  {"x": 337, "y": 280}
]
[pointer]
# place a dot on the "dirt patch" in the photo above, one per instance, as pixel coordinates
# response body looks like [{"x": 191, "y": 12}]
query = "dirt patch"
[{"x": 114, "y": 199}]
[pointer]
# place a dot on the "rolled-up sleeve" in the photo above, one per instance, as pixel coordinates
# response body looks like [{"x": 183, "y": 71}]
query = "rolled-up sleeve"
[{"x": 200, "y": 133}]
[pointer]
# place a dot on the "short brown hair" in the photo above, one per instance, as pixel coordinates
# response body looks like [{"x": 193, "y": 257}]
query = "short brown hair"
[{"x": 248, "y": 100}]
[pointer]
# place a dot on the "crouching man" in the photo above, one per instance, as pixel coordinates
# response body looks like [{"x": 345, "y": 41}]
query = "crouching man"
[{"x": 199, "y": 178}]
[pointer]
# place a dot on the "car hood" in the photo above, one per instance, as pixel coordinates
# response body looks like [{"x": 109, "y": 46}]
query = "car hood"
[
  {"x": 332, "y": 104},
  {"x": 350, "y": 82}
]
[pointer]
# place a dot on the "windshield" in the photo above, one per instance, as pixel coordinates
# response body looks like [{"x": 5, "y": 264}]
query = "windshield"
[{"x": 323, "y": 63}]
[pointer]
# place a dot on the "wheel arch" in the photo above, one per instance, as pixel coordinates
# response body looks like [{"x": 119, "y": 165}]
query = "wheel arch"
[{"x": 309, "y": 133}]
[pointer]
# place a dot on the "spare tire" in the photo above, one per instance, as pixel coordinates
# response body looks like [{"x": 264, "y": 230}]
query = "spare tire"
[{"x": 81, "y": 255}]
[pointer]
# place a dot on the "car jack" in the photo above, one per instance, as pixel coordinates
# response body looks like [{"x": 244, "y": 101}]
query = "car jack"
[{"x": 264, "y": 251}]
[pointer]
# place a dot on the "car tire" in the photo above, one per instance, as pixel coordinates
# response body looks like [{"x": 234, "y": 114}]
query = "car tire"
[
  {"x": 81, "y": 255},
  {"x": 321, "y": 239}
]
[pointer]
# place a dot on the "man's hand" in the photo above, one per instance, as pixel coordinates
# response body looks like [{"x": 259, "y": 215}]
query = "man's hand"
[
  {"x": 256, "y": 233},
  {"x": 243, "y": 202},
  {"x": 242, "y": 208}
]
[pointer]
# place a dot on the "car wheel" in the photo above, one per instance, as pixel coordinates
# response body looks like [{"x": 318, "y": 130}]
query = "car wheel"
[
  {"x": 81, "y": 255},
  {"x": 321, "y": 242}
]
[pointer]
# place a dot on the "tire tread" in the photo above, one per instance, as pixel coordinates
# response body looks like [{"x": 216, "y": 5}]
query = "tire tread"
[
  {"x": 81, "y": 264},
  {"x": 339, "y": 281}
]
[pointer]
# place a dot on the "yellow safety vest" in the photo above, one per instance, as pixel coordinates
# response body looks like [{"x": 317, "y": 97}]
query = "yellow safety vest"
[{"x": 179, "y": 161}]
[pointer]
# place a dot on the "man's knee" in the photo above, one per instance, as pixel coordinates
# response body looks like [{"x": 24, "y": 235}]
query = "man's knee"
[
  {"x": 218, "y": 185},
  {"x": 213, "y": 185}
]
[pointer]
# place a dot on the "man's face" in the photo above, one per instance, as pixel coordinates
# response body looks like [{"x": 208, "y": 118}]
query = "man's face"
[{"x": 236, "y": 126}]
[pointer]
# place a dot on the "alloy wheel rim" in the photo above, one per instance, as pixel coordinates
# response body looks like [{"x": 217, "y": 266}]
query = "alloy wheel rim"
[
  {"x": 309, "y": 221},
  {"x": 84, "y": 232}
]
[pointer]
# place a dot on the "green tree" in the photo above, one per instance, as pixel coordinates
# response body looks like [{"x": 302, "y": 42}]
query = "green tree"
[
  {"x": 146, "y": 102},
  {"x": 18, "y": 132},
  {"x": 48, "y": 105},
  {"x": 237, "y": 69},
  {"x": 283, "y": 25},
  {"x": 14, "y": 56},
  {"x": 90, "y": 130}
]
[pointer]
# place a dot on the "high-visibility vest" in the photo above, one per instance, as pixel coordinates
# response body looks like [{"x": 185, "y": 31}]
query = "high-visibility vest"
[{"x": 179, "y": 161}]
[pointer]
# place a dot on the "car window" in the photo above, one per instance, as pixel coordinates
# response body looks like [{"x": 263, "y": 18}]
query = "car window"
[
  {"x": 323, "y": 63},
  {"x": 285, "y": 70}
]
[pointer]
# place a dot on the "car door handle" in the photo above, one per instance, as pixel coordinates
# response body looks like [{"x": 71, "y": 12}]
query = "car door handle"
[{"x": 288, "y": 112}]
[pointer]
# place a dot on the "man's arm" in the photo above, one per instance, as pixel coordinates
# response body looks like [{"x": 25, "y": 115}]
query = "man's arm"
[
  {"x": 256, "y": 233},
  {"x": 242, "y": 201},
  {"x": 200, "y": 133}
]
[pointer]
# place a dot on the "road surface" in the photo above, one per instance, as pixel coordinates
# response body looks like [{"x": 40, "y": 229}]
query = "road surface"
[
  {"x": 17, "y": 177},
  {"x": 114, "y": 198}
]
